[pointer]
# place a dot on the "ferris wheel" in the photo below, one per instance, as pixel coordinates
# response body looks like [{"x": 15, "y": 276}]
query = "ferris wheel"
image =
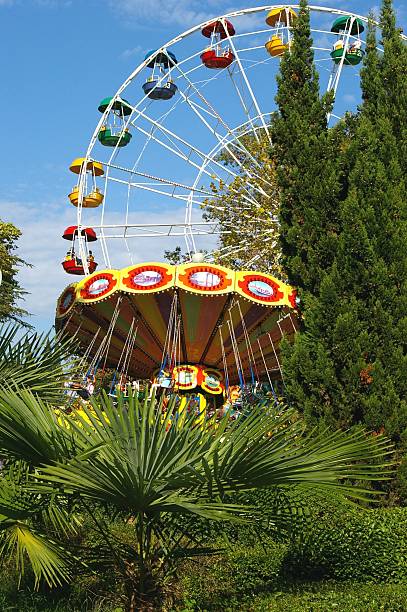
[{"x": 160, "y": 141}]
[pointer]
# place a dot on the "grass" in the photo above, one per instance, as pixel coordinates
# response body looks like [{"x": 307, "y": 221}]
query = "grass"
[
  {"x": 314, "y": 597},
  {"x": 302, "y": 597}
]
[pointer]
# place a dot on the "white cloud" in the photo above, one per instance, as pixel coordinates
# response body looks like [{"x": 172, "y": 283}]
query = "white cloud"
[
  {"x": 185, "y": 13},
  {"x": 133, "y": 52},
  {"x": 349, "y": 98}
]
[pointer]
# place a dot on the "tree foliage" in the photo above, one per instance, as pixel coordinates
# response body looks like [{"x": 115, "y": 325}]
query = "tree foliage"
[
  {"x": 247, "y": 208},
  {"x": 350, "y": 363},
  {"x": 306, "y": 155},
  {"x": 10, "y": 290}
]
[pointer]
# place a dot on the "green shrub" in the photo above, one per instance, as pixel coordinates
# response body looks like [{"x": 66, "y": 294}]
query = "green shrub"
[
  {"x": 238, "y": 572},
  {"x": 352, "y": 544}
]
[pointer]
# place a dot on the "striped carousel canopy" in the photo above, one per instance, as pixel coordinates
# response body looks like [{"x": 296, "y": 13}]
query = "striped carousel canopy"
[{"x": 194, "y": 313}]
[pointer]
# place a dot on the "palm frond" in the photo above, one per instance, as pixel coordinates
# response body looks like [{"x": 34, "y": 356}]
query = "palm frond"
[
  {"x": 40, "y": 362},
  {"x": 48, "y": 560},
  {"x": 142, "y": 461},
  {"x": 30, "y": 431},
  {"x": 20, "y": 509}
]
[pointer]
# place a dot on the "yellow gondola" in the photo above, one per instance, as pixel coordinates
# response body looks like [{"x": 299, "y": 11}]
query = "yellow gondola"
[
  {"x": 92, "y": 197},
  {"x": 94, "y": 167},
  {"x": 92, "y": 200},
  {"x": 281, "y": 19},
  {"x": 284, "y": 15},
  {"x": 275, "y": 46}
]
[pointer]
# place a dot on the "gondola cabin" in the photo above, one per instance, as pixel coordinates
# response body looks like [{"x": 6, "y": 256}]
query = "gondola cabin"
[
  {"x": 159, "y": 86},
  {"x": 275, "y": 46},
  {"x": 92, "y": 197},
  {"x": 211, "y": 59},
  {"x": 73, "y": 264},
  {"x": 281, "y": 19},
  {"x": 114, "y": 133},
  {"x": 348, "y": 46},
  {"x": 215, "y": 56}
]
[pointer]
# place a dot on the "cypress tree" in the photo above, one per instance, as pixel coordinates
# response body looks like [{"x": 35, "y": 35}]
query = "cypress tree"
[
  {"x": 350, "y": 363},
  {"x": 306, "y": 156}
]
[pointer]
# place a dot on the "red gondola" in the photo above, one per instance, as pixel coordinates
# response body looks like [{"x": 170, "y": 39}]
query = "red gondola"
[
  {"x": 74, "y": 266},
  {"x": 215, "y": 56},
  {"x": 71, "y": 233},
  {"x": 72, "y": 263},
  {"x": 223, "y": 28},
  {"x": 212, "y": 60}
]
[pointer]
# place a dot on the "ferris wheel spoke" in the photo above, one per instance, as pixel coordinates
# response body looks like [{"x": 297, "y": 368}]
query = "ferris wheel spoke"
[
  {"x": 219, "y": 119},
  {"x": 246, "y": 80},
  {"x": 161, "y": 192},
  {"x": 191, "y": 148},
  {"x": 246, "y": 109},
  {"x": 156, "y": 230},
  {"x": 227, "y": 147},
  {"x": 176, "y": 151},
  {"x": 155, "y": 179}
]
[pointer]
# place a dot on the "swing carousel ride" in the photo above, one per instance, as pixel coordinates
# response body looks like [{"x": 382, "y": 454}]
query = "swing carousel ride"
[{"x": 197, "y": 327}]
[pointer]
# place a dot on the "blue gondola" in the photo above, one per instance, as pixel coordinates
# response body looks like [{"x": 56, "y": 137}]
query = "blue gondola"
[{"x": 160, "y": 86}]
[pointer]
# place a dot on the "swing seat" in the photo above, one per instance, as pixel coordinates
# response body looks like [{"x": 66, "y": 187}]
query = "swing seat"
[
  {"x": 107, "y": 139},
  {"x": 165, "y": 92},
  {"x": 211, "y": 59},
  {"x": 71, "y": 266},
  {"x": 92, "y": 200},
  {"x": 275, "y": 46},
  {"x": 352, "y": 57}
]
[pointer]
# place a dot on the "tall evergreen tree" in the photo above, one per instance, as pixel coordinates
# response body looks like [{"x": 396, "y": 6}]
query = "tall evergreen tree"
[{"x": 350, "y": 364}]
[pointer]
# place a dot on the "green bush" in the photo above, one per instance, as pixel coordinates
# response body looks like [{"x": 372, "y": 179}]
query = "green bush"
[
  {"x": 348, "y": 543},
  {"x": 239, "y": 572}
]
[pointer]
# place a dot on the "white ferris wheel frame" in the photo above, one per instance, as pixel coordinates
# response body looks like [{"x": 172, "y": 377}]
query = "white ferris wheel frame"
[{"x": 181, "y": 147}]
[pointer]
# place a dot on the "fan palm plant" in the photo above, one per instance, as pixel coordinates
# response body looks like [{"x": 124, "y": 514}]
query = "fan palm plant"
[
  {"x": 40, "y": 362},
  {"x": 160, "y": 472}
]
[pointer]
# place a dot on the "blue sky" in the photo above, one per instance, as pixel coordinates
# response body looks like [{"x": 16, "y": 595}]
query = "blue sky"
[{"x": 60, "y": 58}]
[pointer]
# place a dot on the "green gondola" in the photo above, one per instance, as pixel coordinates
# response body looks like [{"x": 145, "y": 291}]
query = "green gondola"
[
  {"x": 120, "y": 105},
  {"x": 341, "y": 24},
  {"x": 352, "y": 57},
  {"x": 108, "y": 139}
]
